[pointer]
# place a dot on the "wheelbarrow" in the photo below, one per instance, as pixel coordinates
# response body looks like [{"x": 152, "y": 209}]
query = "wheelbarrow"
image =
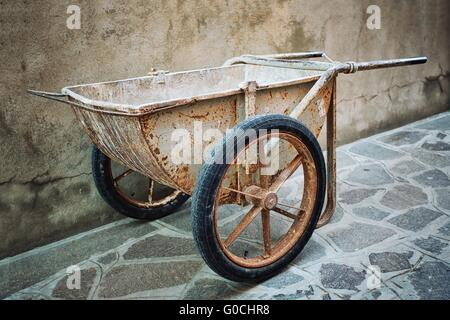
[{"x": 240, "y": 139}]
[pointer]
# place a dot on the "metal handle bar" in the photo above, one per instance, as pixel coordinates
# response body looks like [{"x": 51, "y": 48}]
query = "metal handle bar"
[
  {"x": 61, "y": 97},
  {"x": 380, "y": 64},
  {"x": 290, "y": 60},
  {"x": 295, "y": 55},
  {"x": 281, "y": 60},
  {"x": 349, "y": 67},
  {"x": 280, "y": 63}
]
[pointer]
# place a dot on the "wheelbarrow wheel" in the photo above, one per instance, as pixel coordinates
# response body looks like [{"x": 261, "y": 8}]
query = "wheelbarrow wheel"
[
  {"x": 154, "y": 201},
  {"x": 275, "y": 219}
]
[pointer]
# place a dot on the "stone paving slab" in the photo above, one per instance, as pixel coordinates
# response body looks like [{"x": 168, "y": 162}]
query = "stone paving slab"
[
  {"x": 389, "y": 239},
  {"x": 29, "y": 268}
]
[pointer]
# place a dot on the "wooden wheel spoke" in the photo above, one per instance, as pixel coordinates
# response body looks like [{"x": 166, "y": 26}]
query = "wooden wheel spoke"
[
  {"x": 266, "y": 233},
  {"x": 289, "y": 206},
  {"x": 285, "y": 174},
  {"x": 150, "y": 190},
  {"x": 241, "y": 192},
  {"x": 248, "y": 218},
  {"x": 284, "y": 213},
  {"x": 123, "y": 175}
]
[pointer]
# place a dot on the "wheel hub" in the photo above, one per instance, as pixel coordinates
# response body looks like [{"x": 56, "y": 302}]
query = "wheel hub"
[
  {"x": 270, "y": 201},
  {"x": 260, "y": 197}
]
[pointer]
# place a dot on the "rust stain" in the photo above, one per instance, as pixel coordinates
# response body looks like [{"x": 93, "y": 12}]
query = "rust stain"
[{"x": 195, "y": 117}]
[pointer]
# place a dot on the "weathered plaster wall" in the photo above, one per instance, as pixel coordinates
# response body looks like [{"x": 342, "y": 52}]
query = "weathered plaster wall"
[{"x": 46, "y": 191}]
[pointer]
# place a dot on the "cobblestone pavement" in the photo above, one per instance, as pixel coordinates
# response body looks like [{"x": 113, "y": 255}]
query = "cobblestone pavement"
[{"x": 393, "y": 212}]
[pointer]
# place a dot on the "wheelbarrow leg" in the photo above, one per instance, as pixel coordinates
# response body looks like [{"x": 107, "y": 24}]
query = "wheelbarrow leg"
[{"x": 331, "y": 162}]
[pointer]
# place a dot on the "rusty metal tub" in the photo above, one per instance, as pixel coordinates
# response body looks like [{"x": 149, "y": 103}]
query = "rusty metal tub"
[{"x": 132, "y": 120}]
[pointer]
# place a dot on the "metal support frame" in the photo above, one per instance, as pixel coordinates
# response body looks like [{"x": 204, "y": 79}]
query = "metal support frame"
[
  {"x": 244, "y": 110},
  {"x": 250, "y": 98},
  {"x": 331, "y": 162}
]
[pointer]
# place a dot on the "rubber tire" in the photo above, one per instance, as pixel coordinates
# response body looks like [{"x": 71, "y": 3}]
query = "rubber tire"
[
  {"x": 207, "y": 186},
  {"x": 104, "y": 183}
]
